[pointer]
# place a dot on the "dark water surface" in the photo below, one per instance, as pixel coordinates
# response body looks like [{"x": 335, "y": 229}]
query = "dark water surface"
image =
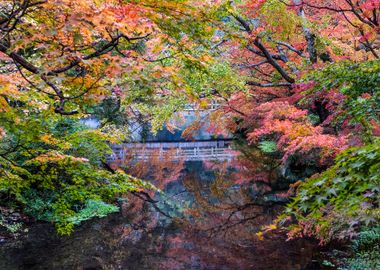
[{"x": 213, "y": 225}]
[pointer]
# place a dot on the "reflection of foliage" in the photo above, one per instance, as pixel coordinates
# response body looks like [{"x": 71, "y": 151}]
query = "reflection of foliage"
[
  {"x": 221, "y": 207},
  {"x": 223, "y": 220},
  {"x": 161, "y": 168}
]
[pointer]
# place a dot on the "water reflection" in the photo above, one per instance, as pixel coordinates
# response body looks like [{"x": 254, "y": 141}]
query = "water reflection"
[{"x": 206, "y": 217}]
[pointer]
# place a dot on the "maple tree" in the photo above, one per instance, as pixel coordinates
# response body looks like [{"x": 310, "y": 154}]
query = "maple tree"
[
  {"x": 275, "y": 45},
  {"x": 62, "y": 61},
  {"x": 75, "y": 57},
  {"x": 312, "y": 69}
]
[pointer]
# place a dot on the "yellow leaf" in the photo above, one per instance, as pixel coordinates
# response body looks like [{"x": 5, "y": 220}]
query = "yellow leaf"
[{"x": 260, "y": 236}]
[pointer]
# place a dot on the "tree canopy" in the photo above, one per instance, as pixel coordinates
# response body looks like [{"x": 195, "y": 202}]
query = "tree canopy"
[
  {"x": 61, "y": 62},
  {"x": 298, "y": 80}
]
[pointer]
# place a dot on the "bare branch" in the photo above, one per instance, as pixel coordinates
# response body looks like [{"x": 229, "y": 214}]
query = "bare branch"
[
  {"x": 290, "y": 47},
  {"x": 272, "y": 61},
  {"x": 253, "y": 65},
  {"x": 269, "y": 84}
]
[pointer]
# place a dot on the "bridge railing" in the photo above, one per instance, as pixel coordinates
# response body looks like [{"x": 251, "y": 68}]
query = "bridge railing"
[
  {"x": 210, "y": 150},
  {"x": 210, "y": 107}
]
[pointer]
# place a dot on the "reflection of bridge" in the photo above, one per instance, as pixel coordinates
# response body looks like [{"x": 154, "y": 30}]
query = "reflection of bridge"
[{"x": 189, "y": 151}]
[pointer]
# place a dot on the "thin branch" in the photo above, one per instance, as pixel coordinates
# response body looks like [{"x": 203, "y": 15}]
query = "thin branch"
[
  {"x": 259, "y": 53},
  {"x": 290, "y": 47},
  {"x": 285, "y": 84},
  {"x": 253, "y": 65},
  {"x": 243, "y": 23}
]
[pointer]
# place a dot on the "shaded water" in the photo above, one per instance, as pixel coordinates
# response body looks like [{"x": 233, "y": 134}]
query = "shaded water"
[{"x": 212, "y": 225}]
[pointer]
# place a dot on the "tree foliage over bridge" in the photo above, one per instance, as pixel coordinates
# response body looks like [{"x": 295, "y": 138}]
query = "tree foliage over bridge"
[{"x": 296, "y": 79}]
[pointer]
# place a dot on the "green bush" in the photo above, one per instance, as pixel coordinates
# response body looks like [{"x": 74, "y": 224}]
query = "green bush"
[
  {"x": 335, "y": 202},
  {"x": 366, "y": 250}
]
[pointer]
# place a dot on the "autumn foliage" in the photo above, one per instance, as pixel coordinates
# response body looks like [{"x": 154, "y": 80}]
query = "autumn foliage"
[
  {"x": 312, "y": 72},
  {"x": 297, "y": 81},
  {"x": 64, "y": 61}
]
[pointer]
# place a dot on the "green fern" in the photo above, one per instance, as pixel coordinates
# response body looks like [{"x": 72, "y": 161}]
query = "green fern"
[{"x": 268, "y": 146}]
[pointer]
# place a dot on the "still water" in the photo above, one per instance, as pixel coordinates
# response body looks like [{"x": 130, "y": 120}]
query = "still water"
[{"x": 202, "y": 219}]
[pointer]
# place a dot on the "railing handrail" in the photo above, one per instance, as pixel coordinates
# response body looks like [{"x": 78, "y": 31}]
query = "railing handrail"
[
  {"x": 199, "y": 150},
  {"x": 218, "y": 143}
]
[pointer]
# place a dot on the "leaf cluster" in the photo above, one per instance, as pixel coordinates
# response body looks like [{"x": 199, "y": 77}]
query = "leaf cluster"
[{"x": 341, "y": 198}]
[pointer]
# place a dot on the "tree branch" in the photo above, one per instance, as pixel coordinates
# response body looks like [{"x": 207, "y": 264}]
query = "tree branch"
[
  {"x": 284, "y": 84},
  {"x": 271, "y": 61}
]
